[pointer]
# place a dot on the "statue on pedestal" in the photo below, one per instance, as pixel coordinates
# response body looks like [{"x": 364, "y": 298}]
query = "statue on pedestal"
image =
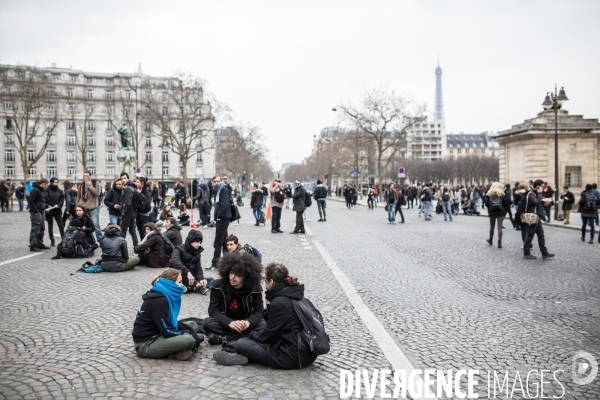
[{"x": 124, "y": 132}]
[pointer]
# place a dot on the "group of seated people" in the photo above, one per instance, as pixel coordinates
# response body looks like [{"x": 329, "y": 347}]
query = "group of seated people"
[{"x": 159, "y": 217}]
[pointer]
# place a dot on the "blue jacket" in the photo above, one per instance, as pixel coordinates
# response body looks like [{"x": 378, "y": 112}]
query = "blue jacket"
[{"x": 223, "y": 204}]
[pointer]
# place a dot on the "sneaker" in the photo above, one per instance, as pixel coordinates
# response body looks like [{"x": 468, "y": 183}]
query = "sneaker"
[
  {"x": 204, "y": 290},
  {"x": 273, "y": 231},
  {"x": 225, "y": 358},
  {"x": 182, "y": 355},
  {"x": 213, "y": 338},
  {"x": 591, "y": 241},
  {"x": 53, "y": 258},
  {"x": 34, "y": 249},
  {"x": 279, "y": 231},
  {"x": 548, "y": 256},
  {"x": 43, "y": 247},
  {"x": 394, "y": 223},
  {"x": 529, "y": 257},
  {"x": 320, "y": 220},
  {"x": 389, "y": 222}
]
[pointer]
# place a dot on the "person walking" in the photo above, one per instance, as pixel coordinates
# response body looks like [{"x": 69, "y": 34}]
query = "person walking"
[
  {"x": 37, "y": 209},
  {"x": 496, "y": 203},
  {"x": 257, "y": 202},
  {"x": 370, "y": 197},
  {"x": 509, "y": 198},
  {"x": 426, "y": 200},
  {"x": 320, "y": 196},
  {"x": 54, "y": 198},
  {"x": 588, "y": 208},
  {"x": 265, "y": 191},
  {"x": 518, "y": 196},
  {"x": 534, "y": 204},
  {"x": 390, "y": 196},
  {"x": 222, "y": 217},
  {"x": 112, "y": 200},
  {"x": 444, "y": 196},
  {"x": 299, "y": 206},
  {"x": 399, "y": 204},
  {"x": 568, "y": 199}
]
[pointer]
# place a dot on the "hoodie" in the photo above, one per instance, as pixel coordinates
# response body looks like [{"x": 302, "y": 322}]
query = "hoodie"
[
  {"x": 114, "y": 246},
  {"x": 153, "y": 319},
  {"x": 186, "y": 258},
  {"x": 173, "y": 233}
]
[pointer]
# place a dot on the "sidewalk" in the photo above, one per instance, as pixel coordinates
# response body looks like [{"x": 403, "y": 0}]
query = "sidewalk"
[{"x": 575, "y": 224}]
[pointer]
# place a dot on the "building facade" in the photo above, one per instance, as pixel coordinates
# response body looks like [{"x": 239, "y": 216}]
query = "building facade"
[
  {"x": 526, "y": 150},
  {"x": 88, "y": 108},
  {"x": 471, "y": 144}
]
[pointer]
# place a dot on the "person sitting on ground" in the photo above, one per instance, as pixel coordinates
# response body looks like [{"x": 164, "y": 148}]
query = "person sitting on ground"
[
  {"x": 166, "y": 212},
  {"x": 232, "y": 243},
  {"x": 183, "y": 217},
  {"x": 86, "y": 223},
  {"x": 173, "y": 232},
  {"x": 75, "y": 242},
  {"x": 115, "y": 257},
  {"x": 156, "y": 331},
  {"x": 153, "y": 250},
  {"x": 186, "y": 258},
  {"x": 236, "y": 304},
  {"x": 276, "y": 345},
  {"x": 153, "y": 217}
]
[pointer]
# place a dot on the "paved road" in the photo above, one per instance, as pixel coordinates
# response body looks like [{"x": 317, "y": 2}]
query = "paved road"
[{"x": 448, "y": 299}]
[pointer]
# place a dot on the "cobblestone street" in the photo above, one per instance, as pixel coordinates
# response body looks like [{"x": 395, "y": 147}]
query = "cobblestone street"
[{"x": 447, "y": 298}]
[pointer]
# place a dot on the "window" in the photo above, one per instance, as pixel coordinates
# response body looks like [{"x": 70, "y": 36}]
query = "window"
[
  {"x": 110, "y": 156},
  {"x": 71, "y": 171},
  {"x": 91, "y": 156},
  {"x": 198, "y": 157},
  {"x": 9, "y": 124},
  {"x": 90, "y": 126},
  {"x": 573, "y": 145},
  {"x": 70, "y": 107},
  {"x": 148, "y": 156},
  {"x": 451, "y": 151},
  {"x": 91, "y": 141},
  {"x": 110, "y": 171},
  {"x": 573, "y": 176},
  {"x": 92, "y": 170},
  {"x": 109, "y": 94},
  {"x": 165, "y": 97},
  {"x": 127, "y": 80},
  {"x": 8, "y": 105},
  {"x": 90, "y": 94},
  {"x": 89, "y": 109},
  {"x": 50, "y": 91},
  {"x": 70, "y": 141},
  {"x": 148, "y": 126},
  {"x": 109, "y": 126},
  {"x": 147, "y": 111},
  {"x": 180, "y": 140},
  {"x": 148, "y": 142},
  {"x": 51, "y": 171},
  {"x": 110, "y": 109},
  {"x": 130, "y": 142},
  {"x": 9, "y": 139},
  {"x": 165, "y": 111},
  {"x": 31, "y": 142},
  {"x": 69, "y": 92},
  {"x": 9, "y": 170},
  {"x": 165, "y": 170},
  {"x": 73, "y": 78},
  {"x": 56, "y": 77},
  {"x": 128, "y": 109},
  {"x": 128, "y": 95},
  {"x": 466, "y": 151},
  {"x": 30, "y": 155},
  {"x": 199, "y": 112},
  {"x": 51, "y": 156},
  {"x": 109, "y": 141},
  {"x": 458, "y": 151},
  {"x": 165, "y": 157},
  {"x": 148, "y": 171},
  {"x": 198, "y": 142},
  {"x": 89, "y": 80},
  {"x": 32, "y": 171},
  {"x": 9, "y": 155},
  {"x": 71, "y": 156},
  {"x": 108, "y": 80}
]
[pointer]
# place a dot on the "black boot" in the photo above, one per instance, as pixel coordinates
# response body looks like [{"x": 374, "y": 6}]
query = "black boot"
[
  {"x": 489, "y": 241},
  {"x": 499, "y": 244}
]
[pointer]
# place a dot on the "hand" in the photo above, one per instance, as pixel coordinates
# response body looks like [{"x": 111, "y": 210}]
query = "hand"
[
  {"x": 190, "y": 277},
  {"x": 237, "y": 326},
  {"x": 203, "y": 282},
  {"x": 66, "y": 212},
  {"x": 218, "y": 219},
  {"x": 116, "y": 206}
]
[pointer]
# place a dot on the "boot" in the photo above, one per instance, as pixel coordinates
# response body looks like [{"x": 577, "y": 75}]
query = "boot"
[
  {"x": 548, "y": 256},
  {"x": 529, "y": 257},
  {"x": 499, "y": 244},
  {"x": 257, "y": 223},
  {"x": 52, "y": 244},
  {"x": 489, "y": 241}
]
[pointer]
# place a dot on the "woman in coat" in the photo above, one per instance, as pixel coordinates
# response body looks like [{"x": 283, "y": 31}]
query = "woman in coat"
[
  {"x": 588, "y": 215},
  {"x": 153, "y": 250},
  {"x": 155, "y": 193},
  {"x": 278, "y": 344},
  {"x": 496, "y": 203},
  {"x": 86, "y": 223},
  {"x": 166, "y": 212},
  {"x": 183, "y": 217},
  {"x": 70, "y": 200},
  {"x": 157, "y": 333},
  {"x": 115, "y": 257}
]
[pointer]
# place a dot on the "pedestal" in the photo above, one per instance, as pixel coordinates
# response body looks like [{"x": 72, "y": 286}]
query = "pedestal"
[{"x": 125, "y": 159}]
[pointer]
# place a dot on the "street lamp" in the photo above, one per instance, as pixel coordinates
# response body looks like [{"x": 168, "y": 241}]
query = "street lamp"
[{"x": 555, "y": 101}]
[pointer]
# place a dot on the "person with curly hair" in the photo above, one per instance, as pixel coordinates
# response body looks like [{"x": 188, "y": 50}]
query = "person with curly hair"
[{"x": 236, "y": 304}]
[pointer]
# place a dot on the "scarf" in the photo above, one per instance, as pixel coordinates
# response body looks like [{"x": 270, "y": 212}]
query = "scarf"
[{"x": 172, "y": 292}]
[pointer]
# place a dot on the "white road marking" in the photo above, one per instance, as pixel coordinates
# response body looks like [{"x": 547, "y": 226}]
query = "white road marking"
[
  {"x": 308, "y": 230},
  {"x": 20, "y": 258},
  {"x": 390, "y": 350}
]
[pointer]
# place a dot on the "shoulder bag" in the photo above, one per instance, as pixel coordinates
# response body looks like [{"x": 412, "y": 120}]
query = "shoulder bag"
[{"x": 529, "y": 218}]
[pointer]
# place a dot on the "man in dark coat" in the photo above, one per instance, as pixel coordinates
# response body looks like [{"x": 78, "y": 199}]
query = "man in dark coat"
[
  {"x": 112, "y": 200},
  {"x": 186, "y": 258},
  {"x": 54, "y": 198},
  {"x": 535, "y": 204},
  {"x": 37, "y": 209},
  {"x": 568, "y": 199},
  {"x": 299, "y": 206},
  {"x": 222, "y": 218},
  {"x": 128, "y": 213}
]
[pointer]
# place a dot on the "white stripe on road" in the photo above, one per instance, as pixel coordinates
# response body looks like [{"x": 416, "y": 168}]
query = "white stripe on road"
[
  {"x": 389, "y": 348},
  {"x": 308, "y": 230},
  {"x": 20, "y": 258}
]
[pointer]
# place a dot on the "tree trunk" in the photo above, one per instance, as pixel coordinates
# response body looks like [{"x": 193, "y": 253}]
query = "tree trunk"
[
  {"x": 184, "y": 174},
  {"x": 25, "y": 169}
]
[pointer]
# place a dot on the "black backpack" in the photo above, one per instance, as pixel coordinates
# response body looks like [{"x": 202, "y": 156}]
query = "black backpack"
[
  {"x": 68, "y": 245},
  {"x": 307, "y": 200},
  {"x": 140, "y": 202},
  {"x": 446, "y": 196},
  {"x": 496, "y": 203},
  {"x": 312, "y": 326},
  {"x": 254, "y": 251},
  {"x": 590, "y": 203},
  {"x": 279, "y": 197}
]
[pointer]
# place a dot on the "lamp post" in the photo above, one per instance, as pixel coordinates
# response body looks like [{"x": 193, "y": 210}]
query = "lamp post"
[{"x": 554, "y": 101}]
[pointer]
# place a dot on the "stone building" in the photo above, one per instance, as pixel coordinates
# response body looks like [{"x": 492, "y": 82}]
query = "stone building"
[
  {"x": 527, "y": 150},
  {"x": 471, "y": 144},
  {"x": 89, "y": 108}
]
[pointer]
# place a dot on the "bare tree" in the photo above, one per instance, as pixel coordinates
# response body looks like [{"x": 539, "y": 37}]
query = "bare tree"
[
  {"x": 384, "y": 117},
  {"x": 32, "y": 110},
  {"x": 79, "y": 123},
  {"x": 180, "y": 116}
]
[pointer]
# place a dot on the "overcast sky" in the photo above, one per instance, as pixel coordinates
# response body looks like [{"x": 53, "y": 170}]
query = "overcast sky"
[{"x": 283, "y": 65}]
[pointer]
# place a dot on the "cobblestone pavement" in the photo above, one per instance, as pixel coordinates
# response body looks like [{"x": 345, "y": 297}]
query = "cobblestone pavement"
[{"x": 448, "y": 299}]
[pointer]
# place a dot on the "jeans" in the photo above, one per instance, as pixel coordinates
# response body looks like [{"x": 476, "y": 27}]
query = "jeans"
[
  {"x": 548, "y": 211},
  {"x": 256, "y": 212},
  {"x": 493, "y": 220},
  {"x": 219, "y": 243},
  {"x": 204, "y": 217},
  {"x": 454, "y": 208},
  {"x": 94, "y": 214},
  {"x": 591, "y": 221},
  {"x": 422, "y": 208},
  {"x": 264, "y": 201},
  {"x": 532, "y": 230},
  {"x": 524, "y": 228},
  {"x": 59, "y": 223},
  {"x": 276, "y": 219},
  {"x": 36, "y": 234},
  {"x": 211, "y": 325},
  {"x": 140, "y": 221},
  {"x": 410, "y": 203},
  {"x": 20, "y": 204},
  {"x": 115, "y": 219},
  {"x": 391, "y": 212},
  {"x": 399, "y": 210},
  {"x": 427, "y": 208},
  {"x": 477, "y": 206},
  {"x": 446, "y": 209},
  {"x": 128, "y": 223},
  {"x": 321, "y": 206}
]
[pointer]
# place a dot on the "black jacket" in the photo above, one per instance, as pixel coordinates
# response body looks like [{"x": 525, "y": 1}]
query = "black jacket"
[
  {"x": 187, "y": 259},
  {"x": 534, "y": 205},
  {"x": 223, "y": 204},
  {"x": 298, "y": 199},
  {"x": 36, "y": 201},
  {"x": 54, "y": 196},
  {"x": 283, "y": 326},
  {"x": 173, "y": 233},
  {"x": 112, "y": 198},
  {"x": 505, "y": 206},
  {"x": 114, "y": 247},
  {"x": 153, "y": 319},
  {"x": 87, "y": 225},
  {"x": 568, "y": 200},
  {"x": 257, "y": 198},
  {"x": 219, "y": 297},
  {"x": 127, "y": 198}
]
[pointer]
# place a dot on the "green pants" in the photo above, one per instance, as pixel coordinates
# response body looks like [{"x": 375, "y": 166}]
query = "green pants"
[
  {"x": 159, "y": 347},
  {"x": 131, "y": 263}
]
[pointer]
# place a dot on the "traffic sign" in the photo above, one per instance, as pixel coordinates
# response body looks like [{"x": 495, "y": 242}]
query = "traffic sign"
[
  {"x": 138, "y": 170},
  {"x": 48, "y": 176},
  {"x": 401, "y": 172}
]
